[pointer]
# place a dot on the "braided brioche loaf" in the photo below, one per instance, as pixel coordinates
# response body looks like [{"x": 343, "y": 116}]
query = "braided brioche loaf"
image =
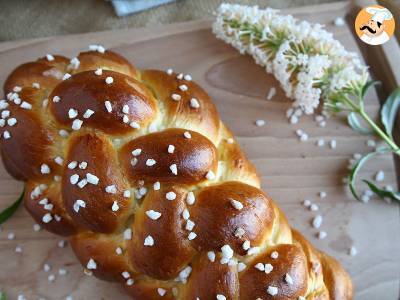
[{"x": 138, "y": 170}]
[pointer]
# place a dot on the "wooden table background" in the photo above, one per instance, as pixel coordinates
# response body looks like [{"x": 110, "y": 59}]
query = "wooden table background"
[{"x": 291, "y": 170}]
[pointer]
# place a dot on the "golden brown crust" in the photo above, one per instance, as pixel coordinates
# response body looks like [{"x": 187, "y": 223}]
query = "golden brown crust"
[
  {"x": 92, "y": 60},
  {"x": 209, "y": 279},
  {"x": 171, "y": 251},
  {"x": 237, "y": 166},
  {"x": 86, "y": 90},
  {"x": 100, "y": 248},
  {"x": 336, "y": 279},
  {"x": 287, "y": 272},
  {"x": 180, "y": 114},
  {"x": 40, "y": 200},
  {"x": 44, "y": 72},
  {"x": 331, "y": 281},
  {"x": 216, "y": 229},
  {"x": 28, "y": 147},
  {"x": 150, "y": 289},
  {"x": 193, "y": 157},
  {"x": 100, "y": 158},
  {"x": 151, "y": 187}
]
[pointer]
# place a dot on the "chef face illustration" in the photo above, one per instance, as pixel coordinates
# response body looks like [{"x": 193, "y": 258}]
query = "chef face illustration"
[{"x": 373, "y": 30}]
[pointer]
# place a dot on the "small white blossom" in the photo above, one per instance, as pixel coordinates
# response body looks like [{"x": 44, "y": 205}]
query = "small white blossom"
[{"x": 321, "y": 71}]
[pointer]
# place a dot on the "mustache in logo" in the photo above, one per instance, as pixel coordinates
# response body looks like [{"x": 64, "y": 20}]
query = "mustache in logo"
[{"x": 368, "y": 28}]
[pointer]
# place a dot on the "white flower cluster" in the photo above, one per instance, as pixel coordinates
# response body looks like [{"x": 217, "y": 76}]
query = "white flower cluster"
[{"x": 307, "y": 61}]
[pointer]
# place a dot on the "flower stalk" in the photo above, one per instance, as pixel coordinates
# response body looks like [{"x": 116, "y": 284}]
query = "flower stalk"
[
  {"x": 358, "y": 108},
  {"x": 379, "y": 132},
  {"x": 313, "y": 69},
  {"x": 311, "y": 66}
]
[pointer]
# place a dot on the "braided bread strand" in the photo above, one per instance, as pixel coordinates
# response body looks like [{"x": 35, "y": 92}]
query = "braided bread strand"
[{"x": 151, "y": 188}]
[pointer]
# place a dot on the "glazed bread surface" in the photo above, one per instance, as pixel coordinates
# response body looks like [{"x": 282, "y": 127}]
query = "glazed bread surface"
[{"x": 152, "y": 189}]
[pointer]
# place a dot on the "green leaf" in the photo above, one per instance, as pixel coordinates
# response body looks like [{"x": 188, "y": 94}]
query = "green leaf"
[
  {"x": 3, "y": 296},
  {"x": 355, "y": 124},
  {"x": 389, "y": 111},
  {"x": 383, "y": 193},
  {"x": 9, "y": 211},
  {"x": 357, "y": 167},
  {"x": 366, "y": 87}
]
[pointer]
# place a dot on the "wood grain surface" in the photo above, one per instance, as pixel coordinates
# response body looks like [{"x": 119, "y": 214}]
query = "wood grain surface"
[{"x": 291, "y": 170}]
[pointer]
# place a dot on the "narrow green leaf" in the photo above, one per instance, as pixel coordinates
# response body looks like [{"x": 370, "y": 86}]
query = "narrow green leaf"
[
  {"x": 357, "y": 167},
  {"x": 9, "y": 211},
  {"x": 355, "y": 124},
  {"x": 366, "y": 87},
  {"x": 383, "y": 193},
  {"x": 3, "y": 296},
  {"x": 389, "y": 111}
]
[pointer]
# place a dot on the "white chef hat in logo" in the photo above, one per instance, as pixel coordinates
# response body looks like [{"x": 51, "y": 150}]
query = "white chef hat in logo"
[{"x": 379, "y": 14}]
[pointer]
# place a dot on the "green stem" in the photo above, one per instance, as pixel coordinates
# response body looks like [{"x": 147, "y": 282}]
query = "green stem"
[
  {"x": 379, "y": 131},
  {"x": 351, "y": 104},
  {"x": 360, "y": 110}
]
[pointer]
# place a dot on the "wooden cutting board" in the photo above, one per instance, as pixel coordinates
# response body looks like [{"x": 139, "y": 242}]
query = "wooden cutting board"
[{"x": 291, "y": 170}]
